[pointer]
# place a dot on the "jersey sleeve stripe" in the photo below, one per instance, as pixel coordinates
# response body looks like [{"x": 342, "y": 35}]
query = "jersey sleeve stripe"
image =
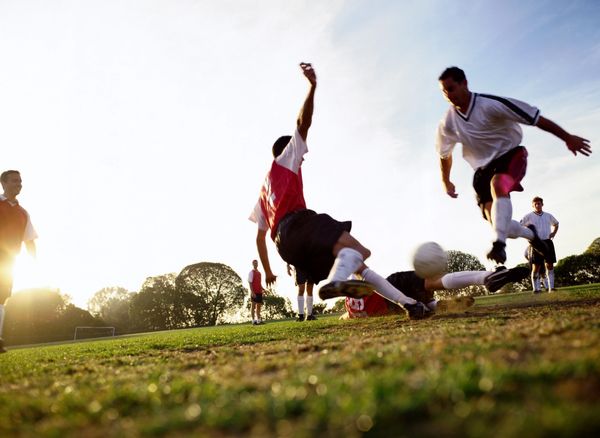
[{"x": 514, "y": 108}]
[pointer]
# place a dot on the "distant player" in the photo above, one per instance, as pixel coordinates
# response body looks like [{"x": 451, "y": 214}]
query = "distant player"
[
  {"x": 303, "y": 285},
  {"x": 423, "y": 290},
  {"x": 317, "y": 244},
  {"x": 256, "y": 293},
  {"x": 547, "y": 227},
  {"x": 488, "y": 128},
  {"x": 15, "y": 228}
]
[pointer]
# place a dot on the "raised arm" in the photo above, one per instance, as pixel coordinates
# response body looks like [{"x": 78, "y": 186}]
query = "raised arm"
[
  {"x": 263, "y": 254},
  {"x": 573, "y": 142},
  {"x": 306, "y": 112},
  {"x": 445, "y": 167}
]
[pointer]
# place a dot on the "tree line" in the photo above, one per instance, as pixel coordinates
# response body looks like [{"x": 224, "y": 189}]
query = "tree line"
[{"x": 205, "y": 294}]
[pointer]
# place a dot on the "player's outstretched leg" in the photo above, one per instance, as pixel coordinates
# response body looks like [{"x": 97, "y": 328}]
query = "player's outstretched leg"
[{"x": 504, "y": 276}]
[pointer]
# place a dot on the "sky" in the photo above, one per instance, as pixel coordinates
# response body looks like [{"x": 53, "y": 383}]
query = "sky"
[{"x": 143, "y": 129}]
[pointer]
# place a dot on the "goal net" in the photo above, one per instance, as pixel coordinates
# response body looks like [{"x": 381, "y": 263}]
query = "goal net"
[{"x": 93, "y": 332}]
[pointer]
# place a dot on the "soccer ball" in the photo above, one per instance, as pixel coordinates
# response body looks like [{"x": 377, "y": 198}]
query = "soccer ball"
[{"x": 430, "y": 260}]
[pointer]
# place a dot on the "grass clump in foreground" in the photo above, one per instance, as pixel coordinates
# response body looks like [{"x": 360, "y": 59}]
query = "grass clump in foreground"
[{"x": 512, "y": 366}]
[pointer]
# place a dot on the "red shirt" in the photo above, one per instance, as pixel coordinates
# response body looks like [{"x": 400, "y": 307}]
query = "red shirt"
[
  {"x": 13, "y": 220},
  {"x": 373, "y": 305},
  {"x": 255, "y": 283}
]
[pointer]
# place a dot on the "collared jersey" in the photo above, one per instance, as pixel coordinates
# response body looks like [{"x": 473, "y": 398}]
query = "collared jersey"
[
  {"x": 282, "y": 191},
  {"x": 15, "y": 226},
  {"x": 543, "y": 223},
  {"x": 489, "y": 129}
]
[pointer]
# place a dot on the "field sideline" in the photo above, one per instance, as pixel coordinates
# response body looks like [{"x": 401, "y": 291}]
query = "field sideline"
[{"x": 514, "y": 365}]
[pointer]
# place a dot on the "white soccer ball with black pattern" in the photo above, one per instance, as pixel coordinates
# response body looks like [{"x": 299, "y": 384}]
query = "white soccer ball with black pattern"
[{"x": 430, "y": 260}]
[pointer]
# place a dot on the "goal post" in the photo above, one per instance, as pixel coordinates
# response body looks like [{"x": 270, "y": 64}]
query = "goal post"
[{"x": 87, "y": 332}]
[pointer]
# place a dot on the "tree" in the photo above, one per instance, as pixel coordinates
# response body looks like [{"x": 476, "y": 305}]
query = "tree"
[
  {"x": 111, "y": 304},
  {"x": 594, "y": 248},
  {"x": 461, "y": 261},
  {"x": 43, "y": 315},
  {"x": 338, "y": 307},
  {"x": 578, "y": 269},
  {"x": 213, "y": 291},
  {"x": 157, "y": 306},
  {"x": 276, "y": 306}
]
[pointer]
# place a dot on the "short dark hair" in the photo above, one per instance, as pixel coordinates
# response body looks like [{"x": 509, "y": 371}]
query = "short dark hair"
[
  {"x": 280, "y": 145},
  {"x": 537, "y": 199},
  {"x": 6, "y": 173},
  {"x": 453, "y": 72}
]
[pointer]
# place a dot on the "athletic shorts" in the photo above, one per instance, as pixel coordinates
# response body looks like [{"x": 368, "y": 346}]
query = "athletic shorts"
[
  {"x": 538, "y": 259},
  {"x": 410, "y": 285},
  {"x": 513, "y": 163},
  {"x": 6, "y": 276},
  {"x": 301, "y": 277},
  {"x": 306, "y": 239},
  {"x": 257, "y": 298}
]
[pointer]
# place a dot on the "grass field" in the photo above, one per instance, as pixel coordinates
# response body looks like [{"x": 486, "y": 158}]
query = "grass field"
[{"x": 513, "y": 366}]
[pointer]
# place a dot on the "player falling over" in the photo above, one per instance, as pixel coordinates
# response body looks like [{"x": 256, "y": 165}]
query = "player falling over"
[
  {"x": 423, "y": 290},
  {"x": 488, "y": 128},
  {"x": 317, "y": 244}
]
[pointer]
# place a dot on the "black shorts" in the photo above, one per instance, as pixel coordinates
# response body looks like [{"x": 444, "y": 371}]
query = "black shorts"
[
  {"x": 305, "y": 240},
  {"x": 257, "y": 298},
  {"x": 538, "y": 259},
  {"x": 6, "y": 277},
  {"x": 514, "y": 163},
  {"x": 301, "y": 277},
  {"x": 410, "y": 285}
]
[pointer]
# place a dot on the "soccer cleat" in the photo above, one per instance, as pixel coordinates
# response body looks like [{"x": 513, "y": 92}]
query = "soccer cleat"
[
  {"x": 503, "y": 276},
  {"x": 538, "y": 244},
  {"x": 348, "y": 288},
  {"x": 311, "y": 318},
  {"x": 455, "y": 305},
  {"x": 417, "y": 310},
  {"x": 537, "y": 292},
  {"x": 2, "y": 349},
  {"x": 498, "y": 252},
  {"x": 254, "y": 322},
  {"x": 300, "y": 317}
]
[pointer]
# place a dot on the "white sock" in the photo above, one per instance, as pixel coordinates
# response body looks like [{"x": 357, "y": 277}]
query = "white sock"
[
  {"x": 346, "y": 263},
  {"x": 432, "y": 305},
  {"x": 501, "y": 217},
  {"x": 456, "y": 280},
  {"x": 309, "y": 302},
  {"x": 385, "y": 288},
  {"x": 550, "y": 279},
  {"x": 1, "y": 318},
  {"x": 301, "y": 304},
  {"x": 515, "y": 229}
]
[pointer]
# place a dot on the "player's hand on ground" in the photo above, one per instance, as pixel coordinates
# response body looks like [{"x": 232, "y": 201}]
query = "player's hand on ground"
[
  {"x": 309, "y": 72},
  {"x": 450, "y": 189},
  {"x": 578, "y": 144}
]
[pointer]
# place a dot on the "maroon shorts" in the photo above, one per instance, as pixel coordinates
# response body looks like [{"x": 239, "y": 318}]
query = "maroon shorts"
[{"x": 513, "y": 163}]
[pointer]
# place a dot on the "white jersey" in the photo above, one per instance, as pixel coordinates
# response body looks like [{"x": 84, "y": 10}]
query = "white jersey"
[
  {"x": 543, "y": 223},
  {"x": 489, "y": 129}
]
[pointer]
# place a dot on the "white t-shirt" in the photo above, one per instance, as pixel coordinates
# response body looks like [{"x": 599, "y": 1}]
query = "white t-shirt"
[
  {"x": 489, "y": 129},
  {"x": 291, "y": 158},
  {"x": 29, "y": 233},
  {"x": 543, "y": 223}
]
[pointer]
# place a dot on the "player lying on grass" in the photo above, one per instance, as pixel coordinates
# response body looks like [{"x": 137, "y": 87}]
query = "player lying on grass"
[
  {"x": 317, "y": 244},
  {"x": 422, "y": 290}
]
